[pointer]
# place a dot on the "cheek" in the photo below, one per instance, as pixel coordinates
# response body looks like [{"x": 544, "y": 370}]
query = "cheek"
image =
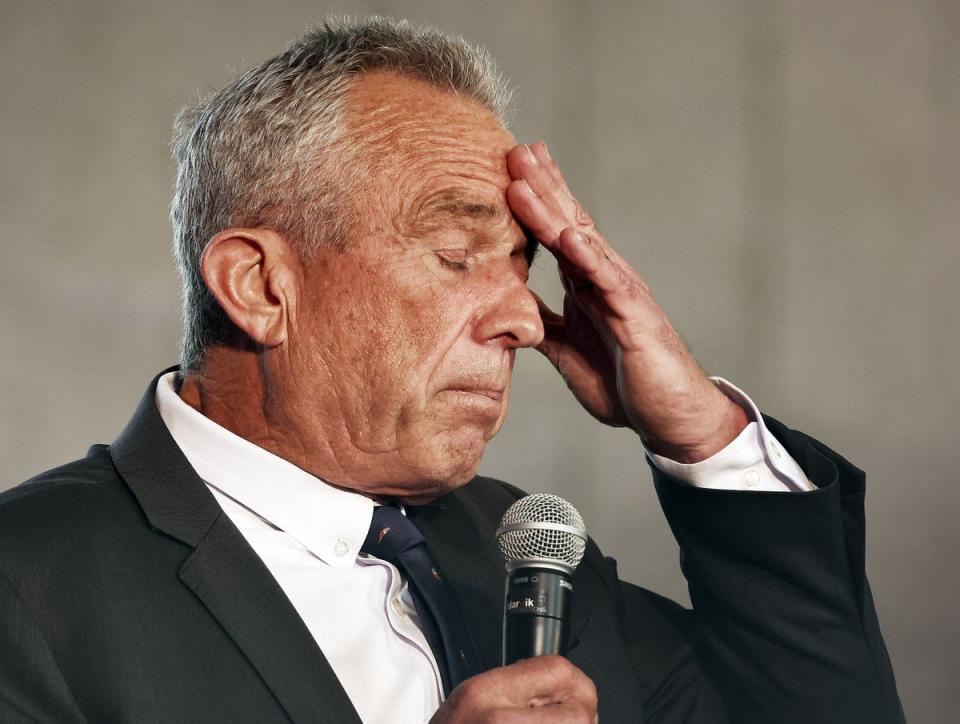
[
  {"x": 383, "y": 338},
  {"x": 388, "y": 335}
]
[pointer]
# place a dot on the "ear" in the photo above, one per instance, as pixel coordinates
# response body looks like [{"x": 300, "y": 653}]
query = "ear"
[{"x": 253, "y": 273}]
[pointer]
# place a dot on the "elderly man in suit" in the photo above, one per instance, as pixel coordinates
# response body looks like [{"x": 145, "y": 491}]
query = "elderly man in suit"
[{"x": 354, "y": 227}]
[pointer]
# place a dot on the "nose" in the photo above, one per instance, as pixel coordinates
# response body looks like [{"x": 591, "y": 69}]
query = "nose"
[{"x": 512, "y": 315}]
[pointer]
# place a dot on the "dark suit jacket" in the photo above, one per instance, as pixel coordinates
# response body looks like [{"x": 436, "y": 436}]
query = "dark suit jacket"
[{"x": 127, "y": 595}]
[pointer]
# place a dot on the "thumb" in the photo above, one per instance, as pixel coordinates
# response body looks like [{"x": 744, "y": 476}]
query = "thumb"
[{"x": 554, "y": 331}]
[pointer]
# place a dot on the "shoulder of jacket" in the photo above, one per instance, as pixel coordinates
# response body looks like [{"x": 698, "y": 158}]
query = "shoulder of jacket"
[
  {"x": 82, "y": 492},
  {"x": 95, "y": 468}
]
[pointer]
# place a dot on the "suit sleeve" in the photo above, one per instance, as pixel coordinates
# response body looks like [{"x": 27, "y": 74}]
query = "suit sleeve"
[
  {"x": 783, "y": 627},
  {"x": 32, "y": 688}
]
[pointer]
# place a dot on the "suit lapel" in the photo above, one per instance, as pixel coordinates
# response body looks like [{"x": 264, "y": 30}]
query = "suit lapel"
[
  {"x": 245, "y": 599},
  {"x": 225, "y": 573},
  {"x": 239, "y": 591}
]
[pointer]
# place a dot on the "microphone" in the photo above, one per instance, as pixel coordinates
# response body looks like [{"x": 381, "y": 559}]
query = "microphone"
[{"x": 543, "y": 540}]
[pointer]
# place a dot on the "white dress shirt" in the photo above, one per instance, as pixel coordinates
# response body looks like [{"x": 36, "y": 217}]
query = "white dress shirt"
[
  {"x": 309, "y": 534},
  {"x": 357, "y": 608},
  {"x": 754, "y": 460}
]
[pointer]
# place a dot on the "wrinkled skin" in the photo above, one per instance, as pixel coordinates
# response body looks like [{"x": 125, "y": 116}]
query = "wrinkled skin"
[
  {"x": 394, "y": 369},
  {"x": 545, "y": 689},
  {"x": 410, "y": 334},
  {"x": 385, "y": 367}
]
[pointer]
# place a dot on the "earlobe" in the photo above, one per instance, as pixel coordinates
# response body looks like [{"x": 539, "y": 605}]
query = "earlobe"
[{"x": 248, "y": 272}]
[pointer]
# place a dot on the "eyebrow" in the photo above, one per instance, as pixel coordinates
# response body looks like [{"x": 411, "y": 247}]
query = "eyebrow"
[{"x": 453, "y": 204}]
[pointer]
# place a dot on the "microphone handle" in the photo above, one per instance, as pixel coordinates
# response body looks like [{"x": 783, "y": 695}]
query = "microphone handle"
[{"x": 536, "y": 612}]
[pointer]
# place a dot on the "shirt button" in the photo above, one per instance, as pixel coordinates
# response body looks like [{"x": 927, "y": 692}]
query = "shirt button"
[
  {"x": 341, "y": 548},
  {"x": 751, "y": 478}
]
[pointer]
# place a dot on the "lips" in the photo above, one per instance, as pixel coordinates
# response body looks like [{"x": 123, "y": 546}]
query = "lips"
[
  {"x": 492, "y": 393},
  {"x": 479, "y": 388},
  {"x": 471, "y": 402}
]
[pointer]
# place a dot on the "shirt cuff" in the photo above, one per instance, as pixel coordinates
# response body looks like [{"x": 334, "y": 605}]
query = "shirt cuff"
[{"x": 754, "y": 460}]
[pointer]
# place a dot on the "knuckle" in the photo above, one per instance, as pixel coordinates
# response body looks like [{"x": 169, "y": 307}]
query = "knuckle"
[
  {"x": 554, "y": 233},
  {"x": 465, "y": 693},
  {"x": 634, "y": 292},
  {"x": 478, "y": 686},
  {"x": 581, "y": 215},
  {"x": 559, "y": 667}
]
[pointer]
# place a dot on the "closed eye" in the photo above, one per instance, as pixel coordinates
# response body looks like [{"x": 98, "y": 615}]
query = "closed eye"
[{"x": 456, "y": 259}]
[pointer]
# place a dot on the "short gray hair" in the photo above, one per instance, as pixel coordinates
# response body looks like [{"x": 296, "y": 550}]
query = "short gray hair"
[{"x": 268, "y": 150}]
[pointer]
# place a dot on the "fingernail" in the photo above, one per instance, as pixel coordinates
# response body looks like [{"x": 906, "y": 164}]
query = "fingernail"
[
  {"x": 529, "y": 188},
  {"x": 546, "y": 151},
  {"x": 533, "y": 158}
]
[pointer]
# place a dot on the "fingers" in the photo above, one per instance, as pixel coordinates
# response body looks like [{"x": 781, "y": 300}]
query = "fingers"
[
  {"x": 540, "y": 681},
  {"x": 533, "y": 212},
  {"x": 540, "y": 199},
  {"x": 603, "y": 285},
  {"x": 534, "y": 165},
  {"x": 581, "y": 251},
  {"x": 547, "y": 688},
  {"x": 548, "y": 680},
  {"x": 589, "y": 261}
]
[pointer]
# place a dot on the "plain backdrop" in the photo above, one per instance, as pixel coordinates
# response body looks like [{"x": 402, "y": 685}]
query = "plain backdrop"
[{"x": 784, "y": 175}]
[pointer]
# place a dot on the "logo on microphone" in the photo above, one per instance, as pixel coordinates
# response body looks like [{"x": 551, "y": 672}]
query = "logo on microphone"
[{"x": 527, "y": 605}]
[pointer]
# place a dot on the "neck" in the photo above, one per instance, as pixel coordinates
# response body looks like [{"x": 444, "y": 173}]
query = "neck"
[
  {"x": 234, "y": 390},
  {"x": 252, "y": 393}
]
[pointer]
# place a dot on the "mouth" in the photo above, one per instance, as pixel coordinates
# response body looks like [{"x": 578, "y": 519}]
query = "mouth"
[
  {"x": 478, "y": 394},
  {"x": 468, "y": 405},
  {"x": 491, "y": 393}
]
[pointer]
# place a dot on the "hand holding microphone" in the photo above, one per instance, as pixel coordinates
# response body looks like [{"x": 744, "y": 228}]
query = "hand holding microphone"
[
  {"x": 544, "y": 689},
  {"x": 543, "y": 540}
]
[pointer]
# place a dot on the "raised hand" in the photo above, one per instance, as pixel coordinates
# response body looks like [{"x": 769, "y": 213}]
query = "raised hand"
[{"x": 613, "y": 345}]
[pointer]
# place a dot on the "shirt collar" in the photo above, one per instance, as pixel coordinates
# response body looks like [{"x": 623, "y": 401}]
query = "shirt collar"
[{"x": 331, "y": 523}]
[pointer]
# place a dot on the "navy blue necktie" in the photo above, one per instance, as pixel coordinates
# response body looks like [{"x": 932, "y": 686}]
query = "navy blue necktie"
[{"x": 394, "y": 538}]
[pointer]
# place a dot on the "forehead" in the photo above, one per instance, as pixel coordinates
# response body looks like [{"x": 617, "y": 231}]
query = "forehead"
[{"x": 430, "y": 143}]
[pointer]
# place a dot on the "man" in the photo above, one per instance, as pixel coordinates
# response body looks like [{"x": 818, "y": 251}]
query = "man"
[{"x": 354, "y": 227}]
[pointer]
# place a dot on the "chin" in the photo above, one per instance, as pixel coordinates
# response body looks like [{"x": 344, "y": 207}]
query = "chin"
[
  {"x": 429, "y": 491},
  {"x": 445, "y": 468}
]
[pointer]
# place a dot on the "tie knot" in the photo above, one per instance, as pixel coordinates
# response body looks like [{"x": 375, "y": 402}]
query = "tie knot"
[{"x": 391, "y": 533}]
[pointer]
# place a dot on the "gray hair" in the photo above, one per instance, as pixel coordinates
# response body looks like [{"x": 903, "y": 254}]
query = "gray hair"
[{"x": 269, "y": 149}]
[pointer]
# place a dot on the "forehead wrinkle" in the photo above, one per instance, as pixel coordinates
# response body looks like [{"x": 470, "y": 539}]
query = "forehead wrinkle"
[
  {"x": 417, "y": 138},
  {"x": 410, "y": 157},
  {"x": 454, "y": 203},
  {"x": 408, "y": 138},
  {"x": 444, "y": 186},
  {"x": 395, "y": 130},
  {"x": 473, "y": 211}
]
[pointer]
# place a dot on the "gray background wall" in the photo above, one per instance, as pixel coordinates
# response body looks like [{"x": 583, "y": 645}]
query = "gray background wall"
[{"x": 784, "y": 174}]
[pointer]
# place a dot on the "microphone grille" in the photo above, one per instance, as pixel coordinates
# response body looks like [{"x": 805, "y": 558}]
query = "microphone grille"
[{"x": 543, "y": 527}]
